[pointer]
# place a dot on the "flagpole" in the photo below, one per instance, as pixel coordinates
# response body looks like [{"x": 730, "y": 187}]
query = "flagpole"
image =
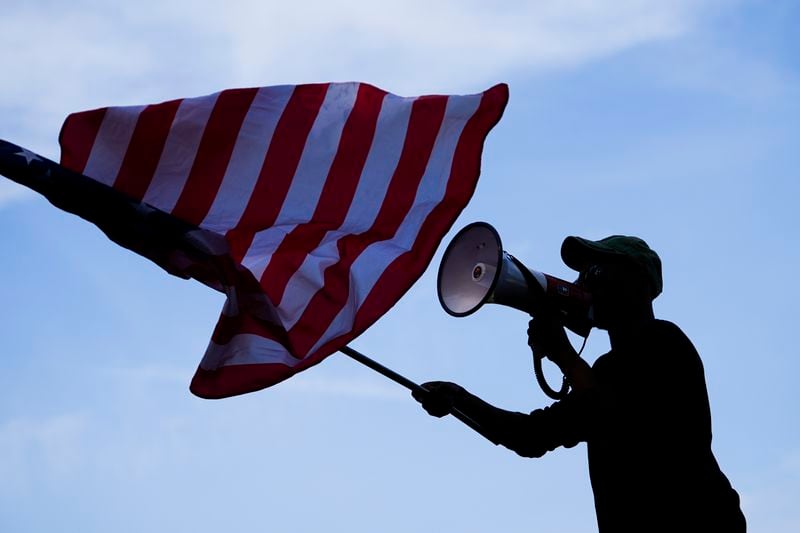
[{"x": 410, "y": 385}]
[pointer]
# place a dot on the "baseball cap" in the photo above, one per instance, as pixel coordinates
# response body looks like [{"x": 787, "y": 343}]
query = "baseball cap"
[{"x": 579, "y": 253}]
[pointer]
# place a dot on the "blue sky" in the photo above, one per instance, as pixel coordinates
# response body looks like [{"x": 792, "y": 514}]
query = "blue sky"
[{"x": 675, "y": 120}]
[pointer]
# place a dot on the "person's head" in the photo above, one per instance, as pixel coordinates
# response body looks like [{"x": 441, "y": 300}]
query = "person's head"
[{"x": 623, "y": 275}]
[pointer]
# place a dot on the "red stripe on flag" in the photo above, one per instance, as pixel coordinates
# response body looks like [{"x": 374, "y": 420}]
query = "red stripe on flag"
[
  {"x": 337, "y": 193},
  {"x": 213, "y": 154},
  {"x": 393, "y": 282},
  {"x": 279, "y": 166},
  {"x": 426, "y": 118},
  {"x": 144, "y": 150},
  {"x": 233, "y": 380},
  {"x": 77, "y": 138}
]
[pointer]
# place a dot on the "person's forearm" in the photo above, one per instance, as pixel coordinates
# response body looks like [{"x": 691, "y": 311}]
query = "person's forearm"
[{"x": 511, "y": 429}]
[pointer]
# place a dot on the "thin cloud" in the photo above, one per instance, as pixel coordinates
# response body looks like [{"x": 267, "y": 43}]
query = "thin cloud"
[
  {"x": 346, "y": 387},
  {"x": 371, "y": 387},
  {"x": 448, "y": 45},
  {"x": 51, "y": 446},
  {"x": 58, "y": 58},
  {"x": 148, "y": 375}
]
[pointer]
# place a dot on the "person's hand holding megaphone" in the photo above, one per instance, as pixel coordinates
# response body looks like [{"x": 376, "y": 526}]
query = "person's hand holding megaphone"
[{"x": 547, "y": 338}]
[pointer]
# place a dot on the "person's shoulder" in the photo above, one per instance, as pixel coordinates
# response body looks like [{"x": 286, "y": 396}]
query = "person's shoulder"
[
  {"x": 666, "y": 328},
  {"x": 671, "y": 338}
]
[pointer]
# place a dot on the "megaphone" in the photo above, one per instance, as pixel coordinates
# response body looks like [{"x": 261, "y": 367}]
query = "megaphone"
[{"x": 475, "y": 270}]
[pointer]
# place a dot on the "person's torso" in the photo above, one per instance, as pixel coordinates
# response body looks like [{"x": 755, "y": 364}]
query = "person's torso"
[{"x": 650, "y": 447}]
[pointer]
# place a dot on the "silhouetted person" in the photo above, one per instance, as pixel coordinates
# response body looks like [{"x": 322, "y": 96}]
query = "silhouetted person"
[{"x": 642, "y": 408}]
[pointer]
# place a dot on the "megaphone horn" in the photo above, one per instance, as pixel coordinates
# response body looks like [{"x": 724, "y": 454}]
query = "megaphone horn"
[{"x": 475, "y": 270}]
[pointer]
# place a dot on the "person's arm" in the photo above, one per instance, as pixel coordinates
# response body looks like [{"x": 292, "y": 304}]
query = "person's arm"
[
  {"x": 546, "y": 336},
  {"x": 529, "y": 435}
]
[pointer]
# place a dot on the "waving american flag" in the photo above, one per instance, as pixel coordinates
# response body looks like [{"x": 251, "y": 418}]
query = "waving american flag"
[{"x": 313, "y": 207}]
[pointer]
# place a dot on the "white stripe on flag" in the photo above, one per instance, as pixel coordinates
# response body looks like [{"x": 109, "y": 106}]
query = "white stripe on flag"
[
  {"x": 369, "y": 266},
  {"x": 246, "y": 348},
  {"x": 180, "y": 150},
  {"x": 264, "y": 245},
  {"x": 384, "y": 154},
  {"x": 247, "y": 158},
  {"x": 111, "y": 143},
  {"x": 320, "y": 149}
]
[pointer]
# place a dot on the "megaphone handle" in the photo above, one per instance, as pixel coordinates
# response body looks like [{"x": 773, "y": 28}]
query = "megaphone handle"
[
  {"x": 537, "y": 370},
  {"x": 533, "y": 285},
  {"x": 410, "y": 385}
]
